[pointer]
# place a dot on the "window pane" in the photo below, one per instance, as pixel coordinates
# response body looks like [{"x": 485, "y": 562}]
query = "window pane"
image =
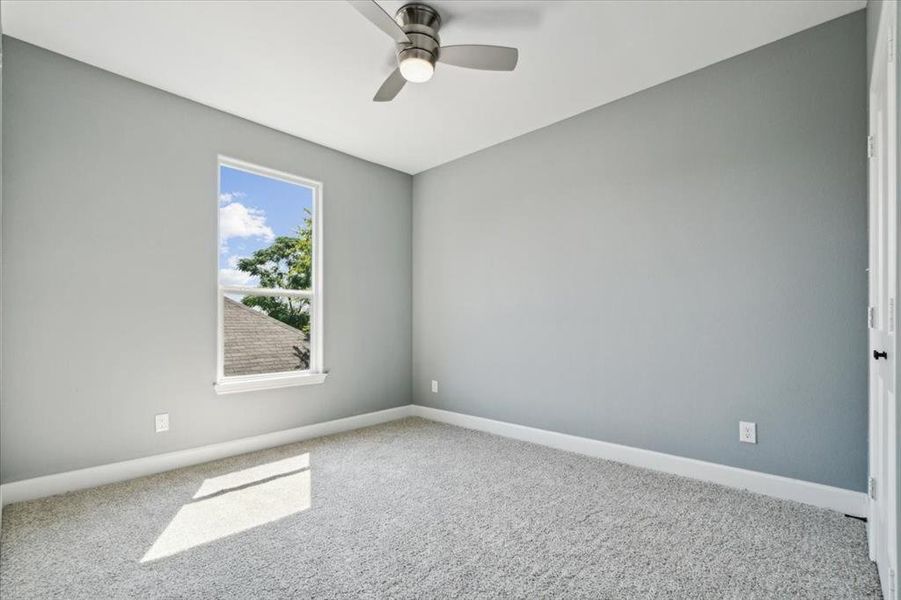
[
  {"x": 265, "y": 334},
  {"x": 265, "y": 231}
]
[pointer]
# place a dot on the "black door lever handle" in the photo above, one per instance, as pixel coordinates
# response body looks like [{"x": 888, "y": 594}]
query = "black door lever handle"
[{"x": 877, "y": 355}]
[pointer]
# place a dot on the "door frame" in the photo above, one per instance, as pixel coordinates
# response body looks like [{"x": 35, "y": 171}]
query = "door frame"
[{"x": 884, "y": 457}]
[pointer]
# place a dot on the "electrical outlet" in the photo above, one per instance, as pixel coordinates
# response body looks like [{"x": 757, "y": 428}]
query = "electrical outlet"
[
  {"x": 162, "y": 423},
  {"x": 434, "y": 386},
  {"x": 747, "y": 432}
]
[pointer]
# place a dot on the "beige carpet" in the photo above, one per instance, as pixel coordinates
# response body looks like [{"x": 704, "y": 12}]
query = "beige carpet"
[{"x": 415, "y": 509}]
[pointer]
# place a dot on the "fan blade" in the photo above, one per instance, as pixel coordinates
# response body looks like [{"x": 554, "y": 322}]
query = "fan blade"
[
  {"x": 378, "y": 17},
  {"x": 390, "y": 88},
  {"x": 472, "y": 56}
]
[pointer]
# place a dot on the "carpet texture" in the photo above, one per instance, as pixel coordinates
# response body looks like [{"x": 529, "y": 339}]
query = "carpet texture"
[{"x": 415, "y": 509}]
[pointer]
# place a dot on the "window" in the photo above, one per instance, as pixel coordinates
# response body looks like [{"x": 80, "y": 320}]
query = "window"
[{"x": 270, "y": 279}]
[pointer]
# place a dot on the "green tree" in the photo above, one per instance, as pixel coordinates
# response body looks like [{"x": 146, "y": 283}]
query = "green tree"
[{"x": 287, "y": 263}]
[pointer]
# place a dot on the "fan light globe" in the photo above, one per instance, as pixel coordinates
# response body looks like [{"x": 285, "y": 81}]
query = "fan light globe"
[{"x": 416, "y": 70}]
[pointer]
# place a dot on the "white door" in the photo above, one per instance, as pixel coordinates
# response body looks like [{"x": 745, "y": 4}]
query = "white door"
[{"x": 883, "y": 223}]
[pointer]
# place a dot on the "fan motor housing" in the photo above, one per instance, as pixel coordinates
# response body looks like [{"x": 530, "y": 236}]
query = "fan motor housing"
[{"x": 421, "y": 23}]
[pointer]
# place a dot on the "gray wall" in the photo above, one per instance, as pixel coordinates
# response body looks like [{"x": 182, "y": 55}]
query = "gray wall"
[
  {"x": 654, "y": 270},
  {"x": 109, "y": 277},
  {"x": 647, "y": 273}
]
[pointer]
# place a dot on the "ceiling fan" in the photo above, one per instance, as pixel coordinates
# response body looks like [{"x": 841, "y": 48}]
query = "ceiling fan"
[{"x": 414, "y": 30}]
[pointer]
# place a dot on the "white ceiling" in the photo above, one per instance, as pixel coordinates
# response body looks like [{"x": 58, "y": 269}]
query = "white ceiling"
[{"x": 311, "y": 68}]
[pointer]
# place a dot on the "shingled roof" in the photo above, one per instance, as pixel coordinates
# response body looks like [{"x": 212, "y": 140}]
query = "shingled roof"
[{"x": 256, "y": 343}]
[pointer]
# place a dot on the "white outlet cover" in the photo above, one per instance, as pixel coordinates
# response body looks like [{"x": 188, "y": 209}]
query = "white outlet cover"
[
  {"x": 162, "y": 422},
  {"x": 434, "y": 386},
  {"x": 747, "y": 432}
]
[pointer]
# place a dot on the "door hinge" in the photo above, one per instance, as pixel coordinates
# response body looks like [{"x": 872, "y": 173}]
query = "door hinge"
[
  {"x": 871, "y": 147},
  {"x": 871, "y": 317},
  {"x": 871, "y": 488}
]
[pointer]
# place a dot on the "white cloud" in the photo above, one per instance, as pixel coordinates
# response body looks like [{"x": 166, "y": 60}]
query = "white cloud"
[
  {"x": 236, "y": 277},
  {"x": 229, "y": 197},
  {"x": 233, "y": 261},
  {"x": 239, "y": 221}
]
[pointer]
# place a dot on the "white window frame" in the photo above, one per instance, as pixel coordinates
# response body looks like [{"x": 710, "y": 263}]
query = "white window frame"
[{"x": 316, "y": 373}]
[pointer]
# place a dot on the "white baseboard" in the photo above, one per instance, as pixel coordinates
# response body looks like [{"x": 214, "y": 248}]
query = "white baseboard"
[
  {"x": 844, "y": 501},
  {"x": 824, "y": 496},
  {"x": 39, "y": 487}
]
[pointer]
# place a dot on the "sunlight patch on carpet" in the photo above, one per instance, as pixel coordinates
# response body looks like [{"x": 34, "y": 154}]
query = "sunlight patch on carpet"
[{"x": 237, "y": 502}]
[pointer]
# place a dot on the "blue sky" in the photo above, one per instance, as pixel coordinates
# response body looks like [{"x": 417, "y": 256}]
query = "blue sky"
[{"x": 254, "y": 210}]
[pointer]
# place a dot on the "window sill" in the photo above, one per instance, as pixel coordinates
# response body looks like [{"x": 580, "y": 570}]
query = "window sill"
[{"x": 250, "y": 383}]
